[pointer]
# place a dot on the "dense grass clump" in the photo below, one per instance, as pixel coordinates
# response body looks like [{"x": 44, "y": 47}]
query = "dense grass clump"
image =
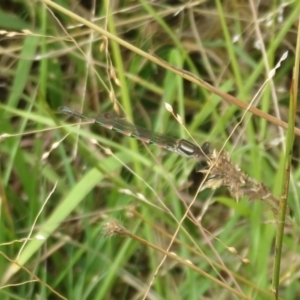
[{"x": 88, "y": 213}]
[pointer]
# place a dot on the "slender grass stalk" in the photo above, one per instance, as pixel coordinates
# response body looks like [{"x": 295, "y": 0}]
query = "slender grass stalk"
[{"x": 287, "y": 174}]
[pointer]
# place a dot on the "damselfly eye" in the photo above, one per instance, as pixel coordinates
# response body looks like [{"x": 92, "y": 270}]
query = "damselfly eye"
[{"x": 206, "y": 148}]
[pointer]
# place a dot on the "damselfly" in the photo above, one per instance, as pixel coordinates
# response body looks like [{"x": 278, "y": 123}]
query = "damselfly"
[{"x": 180, "y": 146}]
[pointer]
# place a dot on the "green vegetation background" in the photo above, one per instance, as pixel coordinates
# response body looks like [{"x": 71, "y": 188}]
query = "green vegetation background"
[{"x": 73, "y": 198}]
